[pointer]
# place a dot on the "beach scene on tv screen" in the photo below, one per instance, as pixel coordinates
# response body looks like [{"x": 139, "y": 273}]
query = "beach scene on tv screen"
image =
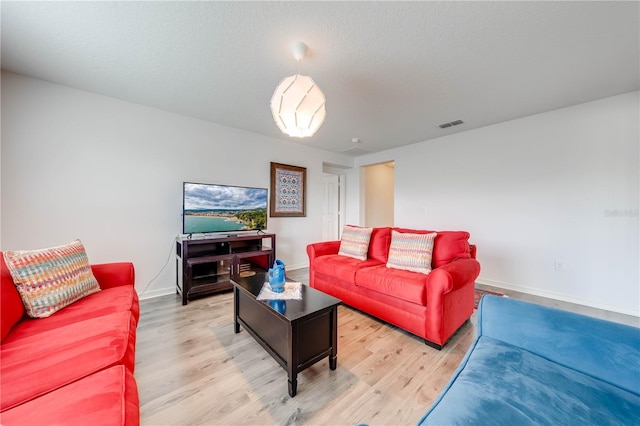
[{"x": 219, "y": 208}]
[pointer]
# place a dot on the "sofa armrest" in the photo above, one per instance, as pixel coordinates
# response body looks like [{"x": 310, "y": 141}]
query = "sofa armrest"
[
  {"x": 450, "y": 277},
  {"x": 322, "y": 249},
  {"x": 603, "y": 349},
  {"x": 449, "y": 293},
  {"x": 453, "y": 276},
  {"x": 111, "y": 275}
]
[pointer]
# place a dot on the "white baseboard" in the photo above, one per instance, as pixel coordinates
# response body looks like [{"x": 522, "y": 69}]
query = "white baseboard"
[
  {"x": 297, "y": 266},
  {"x": 556, "y": 296},
  {"x": 150, "y": 294}
]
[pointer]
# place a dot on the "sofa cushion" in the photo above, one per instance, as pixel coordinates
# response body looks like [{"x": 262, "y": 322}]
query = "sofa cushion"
[
  {"x": 11, "y": 307},
  {"x": 502, "y": 384},
  {"x": 341, "y": 267},
  {"x": 355, "y": 242},
  {"x": 109, "y": 397},
  {"x": 105, "y": 302},
  {"x": 52, "y": 278},
  {"x": 448, "y": 246},
  {"x": 379, "y": 244},
  {"x": 401, "y": 284},
  {"x": 35, "y": 365},
  {"x": 411, "y": 252},
  {"x": 605, "y": 350}
]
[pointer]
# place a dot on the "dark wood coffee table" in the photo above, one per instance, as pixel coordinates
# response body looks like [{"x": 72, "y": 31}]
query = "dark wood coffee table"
[{"x": 296, "y": 333}]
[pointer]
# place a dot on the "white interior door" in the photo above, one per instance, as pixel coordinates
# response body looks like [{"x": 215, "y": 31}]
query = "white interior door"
[{"x": 330, "y": 207}]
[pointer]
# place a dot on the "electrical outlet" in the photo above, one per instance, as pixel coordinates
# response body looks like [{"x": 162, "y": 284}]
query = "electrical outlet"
[{"x": 560, "y": 265}]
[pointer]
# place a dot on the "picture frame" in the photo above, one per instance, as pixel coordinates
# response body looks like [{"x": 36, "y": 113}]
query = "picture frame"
[{"x": 288, "y": 191}]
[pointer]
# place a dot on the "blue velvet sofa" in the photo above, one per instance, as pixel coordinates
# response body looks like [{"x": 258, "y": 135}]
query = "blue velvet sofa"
[{"x": 536, "y": 365}]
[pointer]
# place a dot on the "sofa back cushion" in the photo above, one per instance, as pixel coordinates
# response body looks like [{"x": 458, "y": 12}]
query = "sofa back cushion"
[
  {"x": 11, "y": 308},
  {"x": 448, "y": 246},
  {"x": 602, "y": 349},
  {"x": 379, "y": 244}
]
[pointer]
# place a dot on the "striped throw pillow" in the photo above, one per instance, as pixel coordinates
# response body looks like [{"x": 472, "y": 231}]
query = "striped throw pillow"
[
  {"x": 355, "y": 242},
  {"x": 411, "y": 252},
  {"x": 52, "y": 278}
]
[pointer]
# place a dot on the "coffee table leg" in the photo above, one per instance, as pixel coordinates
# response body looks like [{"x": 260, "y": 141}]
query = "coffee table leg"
[
  {"x": 333, "y": 357},
  {"x": 293, "y": 386},
  {"x": 236, "y": 324}
]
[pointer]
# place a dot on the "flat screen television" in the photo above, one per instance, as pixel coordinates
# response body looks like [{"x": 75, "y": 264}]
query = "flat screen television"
[{"x": 208, "y": 208}]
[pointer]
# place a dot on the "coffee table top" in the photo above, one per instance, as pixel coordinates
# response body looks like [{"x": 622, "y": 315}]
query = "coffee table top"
[{"x": 312, "y": 299}]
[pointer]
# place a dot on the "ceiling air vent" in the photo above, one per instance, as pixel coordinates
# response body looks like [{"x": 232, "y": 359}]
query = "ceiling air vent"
[{"x": 450, "y": 124}]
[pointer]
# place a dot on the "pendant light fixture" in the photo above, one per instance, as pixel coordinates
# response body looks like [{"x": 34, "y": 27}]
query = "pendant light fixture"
[{"x": 297, "y": 104}]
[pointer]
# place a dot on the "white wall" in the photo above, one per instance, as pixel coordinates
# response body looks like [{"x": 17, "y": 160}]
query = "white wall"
[
  {"x": 558, "y": 186},
  {"x": 80, "y": 165}
]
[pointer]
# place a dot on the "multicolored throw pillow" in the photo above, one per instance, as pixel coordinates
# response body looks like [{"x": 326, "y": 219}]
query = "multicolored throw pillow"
[
  {"x": 52, "y": 278},
  {"x": 355, "y": 242},
  {"x": 411, "y": 252}
]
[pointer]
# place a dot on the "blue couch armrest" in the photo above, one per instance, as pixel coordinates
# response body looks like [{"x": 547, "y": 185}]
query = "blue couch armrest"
[{"x": 602, "y": 349}]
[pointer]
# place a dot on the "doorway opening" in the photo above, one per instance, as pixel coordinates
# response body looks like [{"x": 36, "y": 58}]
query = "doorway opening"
[{"x": 379, "y": 194}]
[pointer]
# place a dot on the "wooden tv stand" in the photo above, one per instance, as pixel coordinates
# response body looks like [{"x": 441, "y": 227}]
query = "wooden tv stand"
[{"x": 204, "y": 265}]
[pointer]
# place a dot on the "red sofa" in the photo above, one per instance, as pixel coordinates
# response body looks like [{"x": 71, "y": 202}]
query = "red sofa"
[
  {"x": 432, "y": 306},
  {"x": 76, "y": 366}
]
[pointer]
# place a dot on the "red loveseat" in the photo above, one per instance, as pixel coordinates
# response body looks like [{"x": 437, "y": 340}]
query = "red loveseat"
[
  {"x": 75, "y": 366},
  {"x": 432, "y": 306}
]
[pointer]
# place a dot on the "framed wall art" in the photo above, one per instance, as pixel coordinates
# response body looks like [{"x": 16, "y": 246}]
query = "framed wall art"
[{"x": 288, "y": 187}]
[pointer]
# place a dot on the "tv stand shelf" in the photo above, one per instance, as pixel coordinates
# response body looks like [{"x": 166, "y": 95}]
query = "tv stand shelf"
[{"x": 204, "y": 265}]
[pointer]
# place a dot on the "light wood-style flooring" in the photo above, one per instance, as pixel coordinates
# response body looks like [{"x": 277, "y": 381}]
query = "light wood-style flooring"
[{"x": 192, "y": 369}]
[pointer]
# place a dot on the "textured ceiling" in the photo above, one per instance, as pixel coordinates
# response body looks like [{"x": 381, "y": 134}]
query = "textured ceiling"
[{"x": 391, "y": 71}]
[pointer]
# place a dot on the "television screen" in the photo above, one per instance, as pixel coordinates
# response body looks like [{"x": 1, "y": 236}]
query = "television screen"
[{"x": 222, "y": 208}]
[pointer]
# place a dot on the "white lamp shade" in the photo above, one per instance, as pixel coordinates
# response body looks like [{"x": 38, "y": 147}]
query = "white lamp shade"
[{"x": 297, "y": 106}]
